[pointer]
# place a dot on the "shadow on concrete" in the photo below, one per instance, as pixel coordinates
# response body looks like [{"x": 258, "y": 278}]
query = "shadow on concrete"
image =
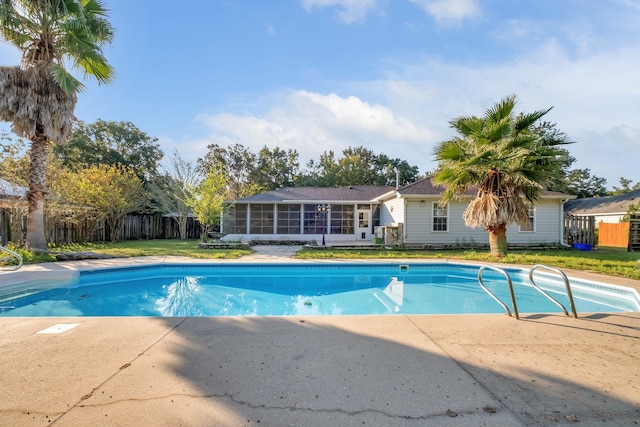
[{"x": 386, "y": 370}]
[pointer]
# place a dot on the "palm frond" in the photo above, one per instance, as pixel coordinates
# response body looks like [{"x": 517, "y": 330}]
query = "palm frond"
[
  {"x": 34, "y": 97},
  {"x": 67, "y": 82},
  {"x": 526, "y": 121},
  {"x": 502, "y": 110}
]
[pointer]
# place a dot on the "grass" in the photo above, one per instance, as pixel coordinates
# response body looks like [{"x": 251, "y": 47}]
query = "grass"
[
  {"x": 609, "y": 261},
  {"x": 133, "y": 248}
]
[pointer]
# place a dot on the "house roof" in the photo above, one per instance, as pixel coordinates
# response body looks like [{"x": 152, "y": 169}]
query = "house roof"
[
  {"x": 618, "y": 204},
  {"x": 11, "y": 190},
  {"x": 359, "y": 193},
  {"x": 425, "y": 187},
  {"x": 352, "y": 193}
]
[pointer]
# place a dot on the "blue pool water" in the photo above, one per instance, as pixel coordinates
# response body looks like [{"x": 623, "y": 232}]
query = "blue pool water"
[{"x": 286, "y": 290}]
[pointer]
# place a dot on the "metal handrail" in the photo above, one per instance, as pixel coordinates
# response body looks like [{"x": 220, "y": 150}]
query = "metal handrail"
[
  {"x": 15, "y": 255},
  {"x": 566, "y": 284},
  {"x": 492, "y": 295}
]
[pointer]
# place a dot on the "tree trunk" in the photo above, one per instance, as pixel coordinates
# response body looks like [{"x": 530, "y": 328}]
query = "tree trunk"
[
  {"x": 498, "y": 240},
  {"x": 37, "y": 191},
  {"x": 182, "y": 226},
  {"x": 114, "y": 228}
]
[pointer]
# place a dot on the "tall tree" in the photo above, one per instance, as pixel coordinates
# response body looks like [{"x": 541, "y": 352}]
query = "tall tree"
[
  {"x": 111, "y": 143},
  {"x": 625, "y": 186},
  {"x": 174, "y": 189},
  {"x": 357, "y": 166},
  {"x": 388, "y": 170},
  {"x": 236, "y": 163},
  {"x": 581, "y": 183},
  {"x": 207, "y": 199},
  {"x": 39, "y": 97},
  {"x": 14, "y": 161},
  {"x": 503, "y": 156},
  {"x": 276, "y": 168},
  {"x": 106, "y": 192}
]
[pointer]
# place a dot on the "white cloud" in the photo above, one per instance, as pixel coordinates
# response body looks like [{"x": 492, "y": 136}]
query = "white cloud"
[
  {"x": 313, "y": 123},
  {"x": 594, "y": 99},
  {"x": 449, "y": 11},
  {"x": 350, "y": 11},
  {"x": 445, "y": 12}
]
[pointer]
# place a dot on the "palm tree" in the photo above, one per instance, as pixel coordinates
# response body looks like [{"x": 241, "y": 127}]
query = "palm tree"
[
  {"x": 505, "y": 159},
  {"x": 39, "y": 96}
]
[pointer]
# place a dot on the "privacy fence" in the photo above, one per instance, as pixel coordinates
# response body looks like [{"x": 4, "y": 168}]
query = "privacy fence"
[
  {"x": 621, "y": 235},
  {"x": 579, "y": 229},
  {"x": 133, "y": 227}
]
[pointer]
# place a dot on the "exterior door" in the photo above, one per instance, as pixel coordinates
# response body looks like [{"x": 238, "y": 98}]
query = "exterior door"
[{"x": 363, "y": 227}]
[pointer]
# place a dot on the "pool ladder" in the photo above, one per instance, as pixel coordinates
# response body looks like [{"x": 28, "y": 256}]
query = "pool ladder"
[
  {"x": 533, "y": 284},
  {"x": 12, "y": 254}
]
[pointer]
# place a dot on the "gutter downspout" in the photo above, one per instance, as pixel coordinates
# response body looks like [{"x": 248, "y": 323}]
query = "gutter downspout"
[
  {"x": 562, "y": 242},
  {"x": 404, "y": 221}
]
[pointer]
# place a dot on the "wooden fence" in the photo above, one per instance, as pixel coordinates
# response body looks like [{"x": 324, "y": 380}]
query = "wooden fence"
[
  {"x": 634, "y": 233},
  {"x": 613, "y": 234},
  {"x": 579, "y": 229},
  {"x": 133, "y": 227}
]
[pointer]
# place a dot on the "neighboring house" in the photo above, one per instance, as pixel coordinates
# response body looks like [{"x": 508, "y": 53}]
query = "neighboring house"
[
  {"x": 410, "y": 215},
  {"x": 10, "y": 193},
  {"x": 609, "y": 209}
]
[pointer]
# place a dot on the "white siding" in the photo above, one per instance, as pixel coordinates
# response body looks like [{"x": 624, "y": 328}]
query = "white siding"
[
  {"x": 419, "y": 225},
  {"x": 392, "y": 211},
  {"x": 547, "y": 225},
  {"x": 612, "y": 219}
]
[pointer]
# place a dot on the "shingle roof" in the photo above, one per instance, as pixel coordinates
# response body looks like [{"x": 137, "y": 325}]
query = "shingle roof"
[
  {"x": 425, "y": 187},
  {"x": 352, "y": 193},
  {"x": 618, "y": 204},
  {"x": 13, "y": 190}
]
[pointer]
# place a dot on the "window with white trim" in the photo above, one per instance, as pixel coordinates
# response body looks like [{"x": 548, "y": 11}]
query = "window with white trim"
[
  {"x": 531, "y": 225},
  {"x": 440, "y": 217}
]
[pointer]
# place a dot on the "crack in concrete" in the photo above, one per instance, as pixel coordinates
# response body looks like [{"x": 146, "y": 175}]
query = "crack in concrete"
[
  {"x": 449, "y": 413},
  {"x": 120, "y": 369}
]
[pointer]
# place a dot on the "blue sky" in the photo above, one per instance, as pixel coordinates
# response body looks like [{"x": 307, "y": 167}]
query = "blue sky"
[{"x": 316, "y": 75}]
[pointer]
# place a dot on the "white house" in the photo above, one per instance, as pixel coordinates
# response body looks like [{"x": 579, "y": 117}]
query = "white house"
[
  {"x": 410, "y": 215},
  {"x": 427, "y": 222},
  {"x": 608, "y": 209}
]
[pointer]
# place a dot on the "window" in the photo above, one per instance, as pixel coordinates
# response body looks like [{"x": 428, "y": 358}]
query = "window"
[
  {"x": 531, "y": 225},
  {"x": 342, "y": 219},
  {"x": 440, "y": 217},
  {"x": 313, "y": 221},
  {"x": 235, "y": 219},
  {"x": 289, "y": 219},
  {"x": 261, "y": 219}
]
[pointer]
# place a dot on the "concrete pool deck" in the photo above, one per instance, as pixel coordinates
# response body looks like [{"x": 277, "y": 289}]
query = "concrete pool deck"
[{"x": 464, "y": 370}]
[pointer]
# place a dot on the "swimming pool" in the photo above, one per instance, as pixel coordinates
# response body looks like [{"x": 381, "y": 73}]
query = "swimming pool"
[{"x": 170, "y": 290}]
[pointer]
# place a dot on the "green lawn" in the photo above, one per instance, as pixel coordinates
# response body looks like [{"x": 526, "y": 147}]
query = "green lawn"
[
  {"x": 131, "y": 248},
  {"x": 610, "y": 261}
]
